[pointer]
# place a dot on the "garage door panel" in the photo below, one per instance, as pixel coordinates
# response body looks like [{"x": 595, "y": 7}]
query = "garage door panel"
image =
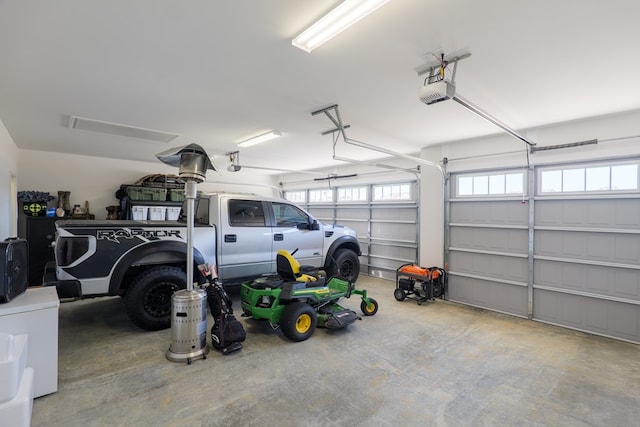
[
  {"x": 397, "y": 213},
  {"x": 493, "y": 266},
  {"x": 490, "y": 239},
  {"x": 595, "y": 279},
  {"x": 394, "y": 231},
  {"x": 402, "y": 254},
  {"x": 361, "y": 213},
  {"x": 501, "y": 297},
  {"x": 593, "y": 246},
  {"x": 489, "y": 212},
  {"x": 321, "y": 213},
  {"x": 598, "y": 213},
  {"x": 604, "y": 317},
  {"x": 360, "y": 227}
]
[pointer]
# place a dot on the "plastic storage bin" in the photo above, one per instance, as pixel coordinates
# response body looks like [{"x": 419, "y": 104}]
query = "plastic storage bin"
[
  {"x": 17, "y": 411},
  {"x": 139, "y": 213},
  {"x": 176, "y": 194},
  {"x": 157, "y": 213},
  {"x": 13, "y": 361},
  {"x": 173, "y": 213},
  {"x": 136, "y": 193}
]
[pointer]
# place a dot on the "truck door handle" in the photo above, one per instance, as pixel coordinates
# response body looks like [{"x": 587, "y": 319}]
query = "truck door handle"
[
  {"x": 278, "y": 237},
  {"x": 230, "y": 238}
]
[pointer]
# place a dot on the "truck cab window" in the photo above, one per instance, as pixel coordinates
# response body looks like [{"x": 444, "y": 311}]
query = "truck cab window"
[
  {"x": 288, "y": 215},
  {"x": 201, "y": 211},
  {"x": 246, "y": 213}
]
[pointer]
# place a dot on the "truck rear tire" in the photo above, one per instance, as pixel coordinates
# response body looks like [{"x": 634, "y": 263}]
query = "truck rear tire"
[
  {"x": 345, "y": 265},
  {"x": 148, "y": 298}
]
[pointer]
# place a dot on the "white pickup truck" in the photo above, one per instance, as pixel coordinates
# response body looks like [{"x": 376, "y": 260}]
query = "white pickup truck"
[{"x": 145, "y": 261}]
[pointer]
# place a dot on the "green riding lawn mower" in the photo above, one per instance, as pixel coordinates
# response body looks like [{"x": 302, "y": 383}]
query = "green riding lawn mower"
[{"x": 300, "y": 298}]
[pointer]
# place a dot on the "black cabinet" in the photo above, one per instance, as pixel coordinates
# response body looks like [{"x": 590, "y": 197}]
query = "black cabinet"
[{"x": 39, "y": 232}]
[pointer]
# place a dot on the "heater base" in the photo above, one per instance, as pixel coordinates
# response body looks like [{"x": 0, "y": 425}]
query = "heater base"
[{"x": 187, "y": 357}]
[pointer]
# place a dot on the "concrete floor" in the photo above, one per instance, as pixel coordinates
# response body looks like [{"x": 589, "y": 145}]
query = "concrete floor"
[{"x": 439, "y": 364}]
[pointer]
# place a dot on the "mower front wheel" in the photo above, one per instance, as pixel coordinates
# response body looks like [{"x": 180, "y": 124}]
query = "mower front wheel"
[
  {"x": 369, "y": 309},
  {"x": 298, "y": 321}
]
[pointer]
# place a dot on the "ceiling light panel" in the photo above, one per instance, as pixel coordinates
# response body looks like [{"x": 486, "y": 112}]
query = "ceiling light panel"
[
  {"x": 333, "y": 23},
  {"x": 264, "y": 137},
  {"x": 100, "y": 126}
]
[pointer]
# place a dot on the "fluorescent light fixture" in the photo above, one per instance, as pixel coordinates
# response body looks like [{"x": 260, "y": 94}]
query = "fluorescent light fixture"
[
  {"x": 260, "y": 138},
  {"x": 333, "y": 23}
]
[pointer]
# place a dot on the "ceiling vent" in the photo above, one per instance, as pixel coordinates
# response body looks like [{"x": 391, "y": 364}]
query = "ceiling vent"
[
  {"x": 437, "y": 92},
  {"x": 100, "y": 126}
]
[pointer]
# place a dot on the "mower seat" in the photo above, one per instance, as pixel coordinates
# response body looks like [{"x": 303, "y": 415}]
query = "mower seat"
[{"x": 290, "y": 269}]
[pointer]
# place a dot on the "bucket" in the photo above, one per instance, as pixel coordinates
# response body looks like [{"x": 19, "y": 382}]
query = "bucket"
[{"x": 188, "y": 326}]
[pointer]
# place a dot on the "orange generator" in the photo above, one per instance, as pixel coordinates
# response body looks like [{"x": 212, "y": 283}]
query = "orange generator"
[{"x": 419, "y": 283}]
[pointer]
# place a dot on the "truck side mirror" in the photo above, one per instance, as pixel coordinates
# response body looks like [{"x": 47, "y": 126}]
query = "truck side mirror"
[{"x": 314, "y": 225}]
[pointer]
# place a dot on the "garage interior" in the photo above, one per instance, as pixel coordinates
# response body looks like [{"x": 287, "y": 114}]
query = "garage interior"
[{"x": 520, "y": 179}]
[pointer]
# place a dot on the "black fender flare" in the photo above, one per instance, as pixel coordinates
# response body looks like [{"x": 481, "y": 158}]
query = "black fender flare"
[
  {"x": 342, "y": 242},
  {"x": 123, "y": 265}
]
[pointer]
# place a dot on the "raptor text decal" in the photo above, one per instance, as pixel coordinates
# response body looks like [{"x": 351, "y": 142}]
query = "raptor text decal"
[{"x": 124, "y": 233}]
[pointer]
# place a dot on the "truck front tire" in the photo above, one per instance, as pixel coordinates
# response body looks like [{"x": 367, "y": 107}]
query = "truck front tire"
[
  {"x": 345, "y": 265},
  {"x": 148, "y": 298}
]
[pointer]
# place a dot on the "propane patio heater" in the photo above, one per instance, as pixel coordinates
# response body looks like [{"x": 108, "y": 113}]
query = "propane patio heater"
[{"x": 188, "y": 306}]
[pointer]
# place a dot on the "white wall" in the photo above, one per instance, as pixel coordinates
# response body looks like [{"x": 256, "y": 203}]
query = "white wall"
[
  {"x": 96, "y": 179},
  {"x": 8, "y": 174}
]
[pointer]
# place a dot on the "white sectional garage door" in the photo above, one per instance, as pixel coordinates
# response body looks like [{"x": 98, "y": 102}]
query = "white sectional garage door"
[
  {"x": 569, "y": 256},
  {"x": 385, "y": 218},
  {"x": 488, "y": 247}
]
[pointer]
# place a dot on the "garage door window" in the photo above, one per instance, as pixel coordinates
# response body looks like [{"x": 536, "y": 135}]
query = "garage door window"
[
  {"x": 352, "y": 194},
  {"x": 490, "y": 184},
  {"x": 320, "y": 196},
  {"x": 296, "y": 196},
  {"x": 590, "y": 178},
  {"x": 392, "y": 192}
]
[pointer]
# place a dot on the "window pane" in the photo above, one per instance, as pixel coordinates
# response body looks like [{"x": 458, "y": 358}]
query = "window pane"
[
  {"x": 515, "y": 183},
  {"x": 598, "y": 179},
  {"x": 480, "y": 185},
  {"x": 551, "y": 181},
  {"x": 295, "y": 196},
  {"x": 246, "y": 213},
  {"x": 573, "y": 180},
  {"x": 624, "y": 177},
  {"x": 352, "y": 194},
  {"x": 288, "y": 215},
  {"x": 496, "y": 184},
  {"x": 465, "y": 186},
  {"x": 320, "y": 196}
]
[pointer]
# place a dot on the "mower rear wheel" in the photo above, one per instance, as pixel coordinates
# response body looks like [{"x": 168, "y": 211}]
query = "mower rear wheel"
[
  {"x": 298, "y": 321},
  {"x": 369, "y": 309},
  {"x": 399, "y": 294}
]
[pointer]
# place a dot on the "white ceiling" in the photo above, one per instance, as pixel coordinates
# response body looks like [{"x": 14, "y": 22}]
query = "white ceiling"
[{"x": 216, "y": 71}]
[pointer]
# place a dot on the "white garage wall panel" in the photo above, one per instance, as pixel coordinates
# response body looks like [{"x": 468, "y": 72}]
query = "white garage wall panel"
[{"x": 568, "y": 256}]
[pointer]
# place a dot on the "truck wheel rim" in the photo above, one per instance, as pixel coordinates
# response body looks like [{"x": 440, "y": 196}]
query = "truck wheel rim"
[
  {"x": 303, "y": 323},
  {"x": 158, "y": 300}
]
